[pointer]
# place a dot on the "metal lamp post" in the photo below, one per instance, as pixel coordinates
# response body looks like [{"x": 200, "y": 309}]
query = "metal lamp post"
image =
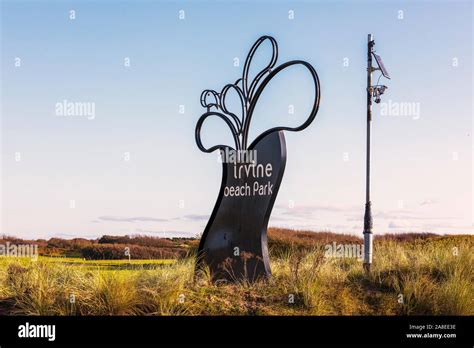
[
  {"x": 372, "y": 92},
  {"x": 368, "y": 208}
]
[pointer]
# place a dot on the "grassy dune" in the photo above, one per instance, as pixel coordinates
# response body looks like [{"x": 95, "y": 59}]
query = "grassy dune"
[{"x": 429, "y": 275}]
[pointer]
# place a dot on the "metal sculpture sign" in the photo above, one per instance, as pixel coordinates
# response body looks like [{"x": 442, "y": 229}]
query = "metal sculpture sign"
[{"x": 234, "y": 242}]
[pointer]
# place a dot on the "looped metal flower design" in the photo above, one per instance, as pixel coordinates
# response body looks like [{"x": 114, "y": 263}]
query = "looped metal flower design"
[{"x": 249, "y": 93}]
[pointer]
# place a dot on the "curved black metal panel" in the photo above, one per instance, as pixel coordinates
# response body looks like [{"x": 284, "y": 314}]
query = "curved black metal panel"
[{"x": 234, "y": 242}]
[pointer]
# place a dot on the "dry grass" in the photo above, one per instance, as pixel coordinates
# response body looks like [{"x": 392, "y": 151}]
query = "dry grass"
[{"x": 432, "y": 275}]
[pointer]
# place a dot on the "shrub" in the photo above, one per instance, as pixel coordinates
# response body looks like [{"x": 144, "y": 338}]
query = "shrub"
[{"x": 117, "y": 252}]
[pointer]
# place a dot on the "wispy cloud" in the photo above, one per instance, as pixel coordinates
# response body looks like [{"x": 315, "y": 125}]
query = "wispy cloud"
[
  {"x": 131, "y": 219},
  {"x": 308, "y": 211},
  {"x": 187, "y": 217},
  {"x": 398, "y": 224},
  {"x": 63, "y": 235},
  {"x": 405, "y": 215},
  {"x": 194, "y": 217},
  {"x": 428, "y": 202},
  {"x": 166, "y": 233}
]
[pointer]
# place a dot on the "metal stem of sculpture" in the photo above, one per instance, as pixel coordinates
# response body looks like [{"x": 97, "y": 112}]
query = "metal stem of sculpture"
[{"x": 234, "y": 242}]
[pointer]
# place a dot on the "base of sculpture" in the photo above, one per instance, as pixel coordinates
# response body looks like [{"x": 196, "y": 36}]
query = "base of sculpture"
[{"x": 234, "y": 243}]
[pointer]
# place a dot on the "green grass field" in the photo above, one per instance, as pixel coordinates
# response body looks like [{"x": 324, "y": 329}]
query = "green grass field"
[
  {"x": 106, "y": 264},
  {"x": 419, "y": 277}
]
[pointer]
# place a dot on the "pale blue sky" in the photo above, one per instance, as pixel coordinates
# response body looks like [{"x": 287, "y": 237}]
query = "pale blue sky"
[{"x": 422, "y": 167}]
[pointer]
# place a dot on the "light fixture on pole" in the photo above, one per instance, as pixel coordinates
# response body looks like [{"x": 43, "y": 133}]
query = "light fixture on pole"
[{"x": 375, "y": 92}]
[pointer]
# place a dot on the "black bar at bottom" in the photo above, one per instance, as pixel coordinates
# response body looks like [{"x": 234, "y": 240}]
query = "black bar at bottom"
[{"x": 255, "y": 330}]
